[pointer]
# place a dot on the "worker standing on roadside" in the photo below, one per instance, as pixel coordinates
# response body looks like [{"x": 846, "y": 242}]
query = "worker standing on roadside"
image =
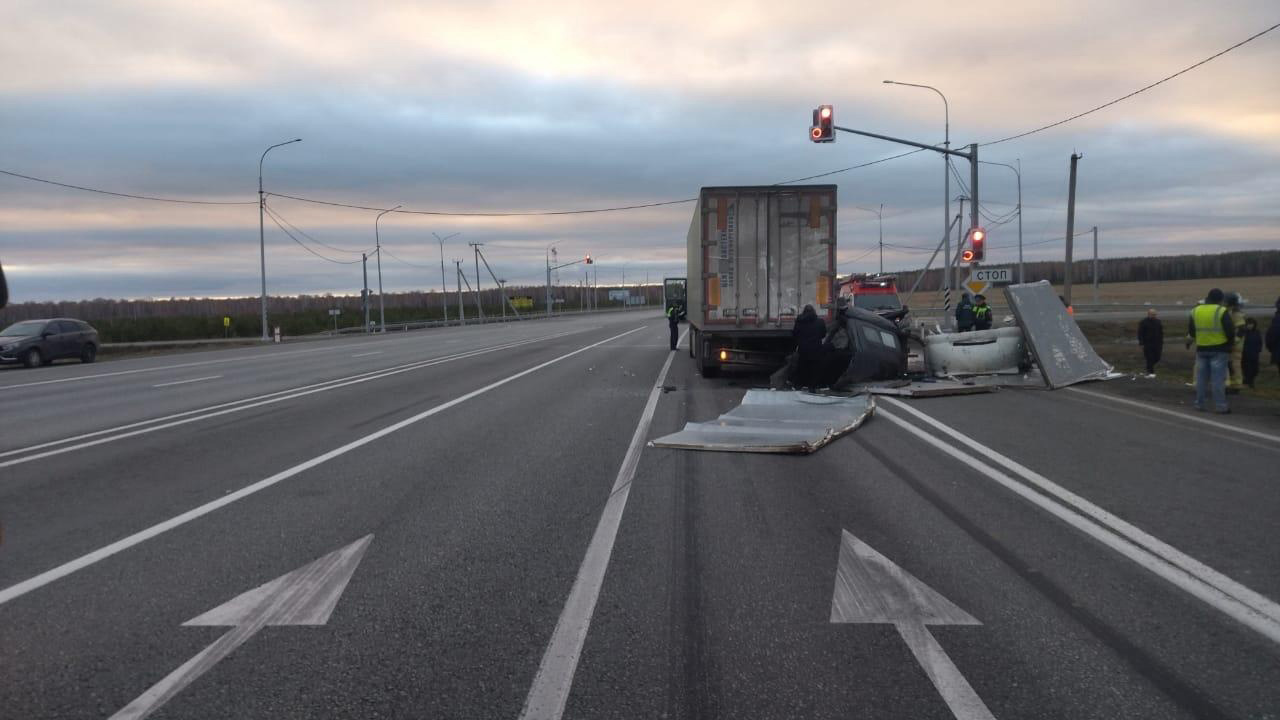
[
  {"x": 1212, "y": 332},
  {"x": 964, "y": 314},
  {"x": 1251, "y": 341},
  {"x": 673, "y": 322},
  {"x": 1151, "y": 338},
  {"x": 1273, "y": 337},
  {"x": 981, "y": 313},
  {"x": 1235, "y": 379},
  {"x": 808, "y": 332}
]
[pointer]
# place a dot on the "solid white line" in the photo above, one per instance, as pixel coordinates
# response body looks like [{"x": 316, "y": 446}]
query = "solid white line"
[
  {"x": 107, "y": 551},
  {"x": 550, "y": 690},
  {"x": 1229, "y": 429},
  {"x": 375, "y": 352},
  {"x": 1247, "y": 606},
  {"x": 184, "y": 382},
  {"x": 191, "y": 416}
]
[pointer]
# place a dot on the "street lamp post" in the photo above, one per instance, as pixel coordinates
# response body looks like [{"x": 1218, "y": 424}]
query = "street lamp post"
[
  {"x": 547, "y": 253},
  {"x": 879, "y": 216},
  {"x": 262, "y": 241},
  {"x": 946, "y": 186},
  {"x": 377, "y": 241},
  {"x": 444, "y": 289},
  {"x": 1016, "y": 171}
]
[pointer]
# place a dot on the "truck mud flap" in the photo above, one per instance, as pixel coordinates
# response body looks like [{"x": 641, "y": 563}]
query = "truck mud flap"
[{"x": 769, "y": 421}]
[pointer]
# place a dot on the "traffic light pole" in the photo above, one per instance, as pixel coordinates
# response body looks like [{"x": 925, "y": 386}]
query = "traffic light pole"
[{"x": 949, "y": 278}]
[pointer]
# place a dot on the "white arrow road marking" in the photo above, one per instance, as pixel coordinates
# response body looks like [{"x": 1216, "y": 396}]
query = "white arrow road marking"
[
  {"x": 184, "y": 382},
  {"x": 305, "y": 596},
  {"x": 871, "y": 589}
]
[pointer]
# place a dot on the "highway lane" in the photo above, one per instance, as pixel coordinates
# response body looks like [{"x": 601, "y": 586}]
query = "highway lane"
[{"x": 717, "y": 596}]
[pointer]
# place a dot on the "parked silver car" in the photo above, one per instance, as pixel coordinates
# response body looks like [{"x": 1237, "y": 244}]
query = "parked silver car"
[{"x": 40, "y": 342}]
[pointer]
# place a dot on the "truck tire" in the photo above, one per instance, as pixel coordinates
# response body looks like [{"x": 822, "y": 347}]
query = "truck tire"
[{"x": 706, "y": 366}]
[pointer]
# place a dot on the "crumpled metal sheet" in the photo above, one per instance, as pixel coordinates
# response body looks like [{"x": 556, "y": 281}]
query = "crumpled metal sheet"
[
  {"x": 1061, "y": 351},
  {"x": 771, "y": 421},
  {"x": 925, "y": 389}
]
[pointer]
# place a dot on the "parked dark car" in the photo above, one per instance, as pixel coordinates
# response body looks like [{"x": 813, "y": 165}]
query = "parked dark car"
[{"x": 40, "y": 342}]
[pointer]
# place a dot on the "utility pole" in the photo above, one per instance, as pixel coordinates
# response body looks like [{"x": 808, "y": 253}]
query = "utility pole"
[
  {"x": 1095, "y": 264},
  {"x": 364, "y": 293},
  {"x": 479, "y": 307},
  {"x": 880, "y": 218},
  {"x": 382, "y": 308},
  {"x": 959, "y": 242},
  {"x": 502, "y": 288},
  {"x": 1071, "y": 228},
  {"x": 444, "y": 285},
  {"x": 462, "y": 313}
]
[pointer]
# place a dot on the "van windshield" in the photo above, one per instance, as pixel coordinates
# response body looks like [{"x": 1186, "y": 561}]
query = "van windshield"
[{"x": 878, "y": 301}]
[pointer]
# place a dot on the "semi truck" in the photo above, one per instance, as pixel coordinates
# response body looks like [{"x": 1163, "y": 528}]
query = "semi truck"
[{"x": 756, "y": 256}]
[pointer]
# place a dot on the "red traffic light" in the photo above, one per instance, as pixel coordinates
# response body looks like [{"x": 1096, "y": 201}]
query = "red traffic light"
[
  {"x": 588, "y": 260},
  {"x": 823, "y": 128},
  {"x": 977, "y": 250}
]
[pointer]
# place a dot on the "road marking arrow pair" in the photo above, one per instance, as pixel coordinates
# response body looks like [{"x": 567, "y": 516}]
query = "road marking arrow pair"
[{"x": 305, "y": 596}]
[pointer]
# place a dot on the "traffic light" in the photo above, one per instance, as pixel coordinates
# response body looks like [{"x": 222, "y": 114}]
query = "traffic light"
[
  {"x": 977, "y": 250},
  {"x": 823, "y": 128},
  {"x": 588, "y": 260}
]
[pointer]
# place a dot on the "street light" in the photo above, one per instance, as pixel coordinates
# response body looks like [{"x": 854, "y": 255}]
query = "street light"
[
  {"x": 547, "y": 253},
  {"x": 262, "y": 241},
  {"x": 948, "y": 281},
  {"x": 879, "y": 216},
  {"x": 444, "y": 289},
  {"x": 377, "y": 243},
  {"x": 1016, "y": 171}
]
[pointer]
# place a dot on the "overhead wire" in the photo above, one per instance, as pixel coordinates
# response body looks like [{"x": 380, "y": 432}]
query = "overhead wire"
[
  {"x": 303, "y": 245},
  {"x": 100, "y": 191},
  {"x": 318, "y": 242},
  {"x": 406, "y": 262}
]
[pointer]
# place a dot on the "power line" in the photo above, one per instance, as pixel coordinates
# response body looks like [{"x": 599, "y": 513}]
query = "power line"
[
  {"x": 487, "y": 214},
  {"x": 126, "y": 195},
  {"x": 317, "y": 242},
  {"x": 1187, "y": 69},
  {"x": 852, "y": 167},
  {"x": 303, "y": 245},
  {"x": 406, "y": 262}
]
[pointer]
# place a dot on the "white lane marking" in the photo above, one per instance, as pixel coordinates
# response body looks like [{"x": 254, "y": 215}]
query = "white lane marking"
[
  {"x": 871, "y": 588},
  {"x": 191, "y": 416},
  {"x": 238, "y": 358},
  {"x": 102, "y": 553},
  {"x": 305, "y": 596},
  {"x": 184, "y": 382},
  {"x": 550, "y": 690},
  {"x": 1229, "y": 429},
  {"x": 375, "y": 352},
  {"x": 1246, "y": 606}
]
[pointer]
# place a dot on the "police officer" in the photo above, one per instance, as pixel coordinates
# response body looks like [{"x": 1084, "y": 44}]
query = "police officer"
[
  {"x": 964, "y": 314},
  {"x": 673, "y": 322},
  {"x": 981, "y": 313},
  {"x": 1212, "y": 332}
]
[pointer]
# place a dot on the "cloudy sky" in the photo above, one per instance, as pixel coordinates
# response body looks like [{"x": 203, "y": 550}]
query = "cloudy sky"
[{"x": 511, "y": 106}]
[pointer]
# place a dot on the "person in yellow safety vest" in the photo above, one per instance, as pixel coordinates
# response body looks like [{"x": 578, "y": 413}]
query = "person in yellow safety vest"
[
  {"x": 981, "y": 313},
  {"x": 1235, "y": 374},
  {"x": 1212, "y": 332}
]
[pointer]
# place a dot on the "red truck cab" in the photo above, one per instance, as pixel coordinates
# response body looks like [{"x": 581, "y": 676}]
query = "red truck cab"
[{"x": 877, "y": 293}]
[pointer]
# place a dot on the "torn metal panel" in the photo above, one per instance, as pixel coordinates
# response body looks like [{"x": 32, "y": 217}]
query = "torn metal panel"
[
  {"x": 1061, "y": 350},
  {"x": 771, "y": 421}
]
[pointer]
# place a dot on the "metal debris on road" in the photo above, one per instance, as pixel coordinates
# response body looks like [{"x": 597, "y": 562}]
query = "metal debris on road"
[
  {"x": 1060, "y": 349},
  {"x": 771, "y": 421}
]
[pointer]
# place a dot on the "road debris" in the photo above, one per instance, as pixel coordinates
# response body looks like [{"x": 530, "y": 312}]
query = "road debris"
[{"x": 773, "y": 421}]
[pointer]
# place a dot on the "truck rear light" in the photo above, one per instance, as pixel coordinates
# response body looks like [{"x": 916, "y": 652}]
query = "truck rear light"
[{"x": 724, "y": 355}]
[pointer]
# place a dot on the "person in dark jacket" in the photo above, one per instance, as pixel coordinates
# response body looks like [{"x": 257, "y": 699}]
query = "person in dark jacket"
[
  {"x": 981, "y": 313},
  {"x": 1273, "y": 336},
  {"x": 808, "y": 332},
  {"x": 964, "y": 314},
  {"x": 673, "y": 323},
  {"x": 1252, "y": 351},
  {"x": 1151, "y": 338}
]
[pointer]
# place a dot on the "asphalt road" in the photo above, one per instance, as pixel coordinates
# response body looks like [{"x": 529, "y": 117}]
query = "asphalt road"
[{"x": 511, "y": 548}]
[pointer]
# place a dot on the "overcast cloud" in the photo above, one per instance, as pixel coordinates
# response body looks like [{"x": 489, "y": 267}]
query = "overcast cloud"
[{"x": 517, "y": 106}]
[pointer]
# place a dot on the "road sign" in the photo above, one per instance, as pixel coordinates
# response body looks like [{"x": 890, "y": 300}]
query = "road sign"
[
  {"x": 977, "y": 287},
  {"x": 522, "y": 302},
  {"x": 335, "y": 311},
  {"x": 995, "y": 276},
  {"x": 226, "y": 321},
  {"x": 305, "y": 596},
  {"x": 870, "y": 588}
]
